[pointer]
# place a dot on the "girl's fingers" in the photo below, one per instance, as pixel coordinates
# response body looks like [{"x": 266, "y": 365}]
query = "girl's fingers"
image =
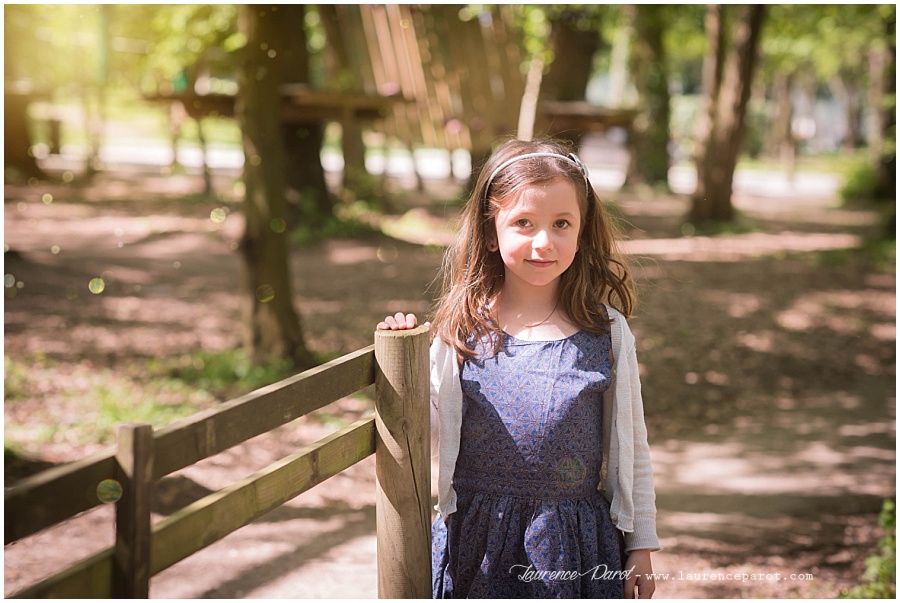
[
  {"x": 629, "y": 587},
  {"x": 403, "y": 321},
  {"x": 400, "y": 321}
]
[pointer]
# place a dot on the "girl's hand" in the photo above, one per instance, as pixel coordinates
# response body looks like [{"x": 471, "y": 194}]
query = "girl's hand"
[
  {"x": 400, "y": 321},
  {"x": 640, "y": 575}
]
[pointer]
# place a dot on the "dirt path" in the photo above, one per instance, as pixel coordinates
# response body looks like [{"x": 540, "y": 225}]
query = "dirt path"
[{"x": 768, "y": 375}]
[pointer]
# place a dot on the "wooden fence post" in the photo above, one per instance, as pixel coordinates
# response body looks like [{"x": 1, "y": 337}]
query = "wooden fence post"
[
  {"x": 402, "y": 464},
  {"x": 131, "y": 567}
]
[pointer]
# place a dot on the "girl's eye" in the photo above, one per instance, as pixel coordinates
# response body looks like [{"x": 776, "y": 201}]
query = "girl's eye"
[
  {"x": 522, "y": 223},
  {"x": 562, "y": 223}
]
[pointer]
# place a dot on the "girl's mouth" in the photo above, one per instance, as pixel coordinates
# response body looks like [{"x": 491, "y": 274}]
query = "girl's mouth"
[{"x": 540, "y": 263}]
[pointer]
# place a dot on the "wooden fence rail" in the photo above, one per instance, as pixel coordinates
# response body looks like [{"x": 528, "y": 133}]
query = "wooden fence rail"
[{"x": 398, "y": 435}]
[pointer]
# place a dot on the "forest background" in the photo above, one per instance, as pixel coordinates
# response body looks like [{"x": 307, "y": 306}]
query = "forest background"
[{"x": 202, "y": 199}]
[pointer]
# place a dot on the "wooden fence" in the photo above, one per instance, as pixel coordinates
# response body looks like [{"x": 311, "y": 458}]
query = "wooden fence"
[{"x": 398, "y": 435}]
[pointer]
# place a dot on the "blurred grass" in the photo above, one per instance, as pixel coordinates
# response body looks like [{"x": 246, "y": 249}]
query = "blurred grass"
[
  {"x": 842, "y": 163},
  {"x": 87, "y": 403},
  {"x": 878, "y": 255}
]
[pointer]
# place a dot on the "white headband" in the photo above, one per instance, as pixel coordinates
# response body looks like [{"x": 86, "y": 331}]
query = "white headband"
[{"x": 571, "y": 158}]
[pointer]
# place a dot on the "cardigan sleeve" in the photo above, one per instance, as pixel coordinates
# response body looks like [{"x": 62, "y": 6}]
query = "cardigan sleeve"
[
  {"x": 435, "y": 383},
  {"x": 447, "y": 410},
  {"x": 643, "y": 493}
]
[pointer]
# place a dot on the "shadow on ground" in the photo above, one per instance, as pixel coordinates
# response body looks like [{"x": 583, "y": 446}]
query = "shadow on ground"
[{"x": 768, "y": 374}]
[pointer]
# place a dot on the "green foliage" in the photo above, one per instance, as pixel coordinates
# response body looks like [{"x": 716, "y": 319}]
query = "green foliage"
[
  {"x": 333, "y": 420},
  {"x": 223, "y": 374},
  {"x": 16, "y": 382},
  {"x": 756, "y": 124},
  {"x": 531, "y": 20},
  {"x": 117, "y": 402},
  {"x": 823, "y": 38},
  {"x": 876, "y": 255},
  {"x": 883, "y": 254},
  {"x": 880, "y": 579},
  {"x": 155, "y": 391},
  {"x": 50, "y": 46},
  {"x": 862, "y": 184},
  {"x": 73, "y": 46},
  {"x": 316, "y": 44},
  {"x": 182, "y": 35},
  {"x": 347, "y": 221},
  {"x": 683, "y": 114},
  {"x": 824, "y": 44},
  {"x": 838, "y": 163},
  {"x": 11, "y": 452},
  {"x": 685, "y": 44}
]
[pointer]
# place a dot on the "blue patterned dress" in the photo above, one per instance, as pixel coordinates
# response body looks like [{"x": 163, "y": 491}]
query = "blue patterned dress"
[{"x": 530, "y": 522}]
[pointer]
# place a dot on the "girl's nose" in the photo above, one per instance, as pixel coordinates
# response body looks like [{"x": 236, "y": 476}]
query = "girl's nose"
[{"x": 541, "y": 240}]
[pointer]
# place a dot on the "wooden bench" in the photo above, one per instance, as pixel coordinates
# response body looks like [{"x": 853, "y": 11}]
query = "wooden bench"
[
  {"x": 573, "y": 119},
  {"x": 398, "y": 435}
]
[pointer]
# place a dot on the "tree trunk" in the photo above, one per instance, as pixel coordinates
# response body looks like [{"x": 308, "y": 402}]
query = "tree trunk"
[
  {"x": 728, "y": 76},
  {"x": 780, "y": 141},
  {"x": 17, "y": 141},
  {"x": 272, "y": 328},
  {"x": 846, "y": 91},
  {"x": 650, "y": 144},
  {"x": 573, "y": 63},
  {"x": 204, "y": 160},
  {"x": 341, "y": 75},
  {"x": 302, "y": 140},
  {"x": 17, "y": 136},
  {"x": 883, "y": 101},
  {"x": 305, "y": 174},
  {"x": 566, "y": 78}
]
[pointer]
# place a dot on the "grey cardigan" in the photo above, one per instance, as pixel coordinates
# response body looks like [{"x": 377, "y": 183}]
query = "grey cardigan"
[{"x": 626, "y": 475}]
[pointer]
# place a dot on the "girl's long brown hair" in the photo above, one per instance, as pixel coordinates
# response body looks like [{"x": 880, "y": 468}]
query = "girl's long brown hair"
[{"x": 473, "y": 276}]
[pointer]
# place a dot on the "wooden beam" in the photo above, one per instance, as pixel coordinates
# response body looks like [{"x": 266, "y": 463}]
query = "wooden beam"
[
  {"x": 90, "y": 578},
  {"x": 207, "y": 433},
  {"x": 35, "y": 503},
  {"x": 403, "y": 464},
  {"x": 131, "y": 570},
  {"x": 319, "y": 105},
  {"x": 215, "y": 516}
]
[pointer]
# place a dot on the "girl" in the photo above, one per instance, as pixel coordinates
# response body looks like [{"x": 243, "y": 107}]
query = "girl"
[{"x": 537, "y": 417}]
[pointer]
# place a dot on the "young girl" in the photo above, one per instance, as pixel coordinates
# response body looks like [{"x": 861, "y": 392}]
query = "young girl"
[{"x": 537, "y": 415}]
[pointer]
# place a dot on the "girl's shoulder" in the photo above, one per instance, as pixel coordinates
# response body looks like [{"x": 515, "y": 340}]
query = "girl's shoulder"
[{"x": 619, "y": 329}]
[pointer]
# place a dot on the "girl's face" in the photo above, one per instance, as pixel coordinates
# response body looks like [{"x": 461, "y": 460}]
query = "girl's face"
[{"x": 537, "y": 232}]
